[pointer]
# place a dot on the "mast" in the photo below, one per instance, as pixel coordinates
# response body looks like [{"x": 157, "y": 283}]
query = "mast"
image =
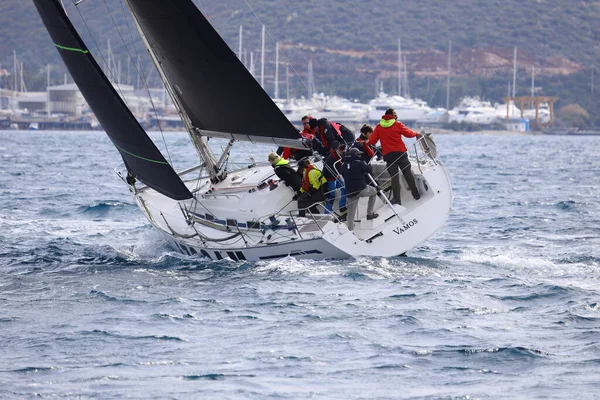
[
  {"x": 200, "y": 142},
  {"x": 208, "y": 77}
]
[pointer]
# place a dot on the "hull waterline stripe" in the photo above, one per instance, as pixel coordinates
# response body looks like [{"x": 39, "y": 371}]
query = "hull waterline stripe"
[
  {"x": 298, "y": 253},
  {"x": 71, "y": 48}
]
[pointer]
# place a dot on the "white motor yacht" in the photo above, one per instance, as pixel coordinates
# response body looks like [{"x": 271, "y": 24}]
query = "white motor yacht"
[{"x": 409, "y": 110}]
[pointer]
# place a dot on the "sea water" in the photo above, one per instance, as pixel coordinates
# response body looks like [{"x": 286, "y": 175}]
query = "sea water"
[{"x": 502, "y": 303}]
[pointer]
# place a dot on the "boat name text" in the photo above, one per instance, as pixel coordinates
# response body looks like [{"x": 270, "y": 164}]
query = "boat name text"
[{"x": 406, "y": 226}]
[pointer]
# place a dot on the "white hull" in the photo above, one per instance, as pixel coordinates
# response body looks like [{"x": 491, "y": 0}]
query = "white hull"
[
  {"x": 409, "y": 110},
  {"x": 405, "y": 115},
  {"x": 231, "y": 219}
]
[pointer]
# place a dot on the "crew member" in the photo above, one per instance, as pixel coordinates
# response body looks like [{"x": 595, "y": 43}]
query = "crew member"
[
  {"x": 311, "y": 191},
  {"x": 390, "y": 131},
  {"x": 284, "y": 172},
  {"x": 354, "y": 171}
]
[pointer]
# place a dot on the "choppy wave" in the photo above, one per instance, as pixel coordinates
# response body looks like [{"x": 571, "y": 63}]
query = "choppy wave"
[{"x": 94, "y": 303}]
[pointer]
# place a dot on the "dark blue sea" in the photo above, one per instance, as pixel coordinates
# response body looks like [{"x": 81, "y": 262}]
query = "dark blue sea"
[{"x": 502, "y": 303}]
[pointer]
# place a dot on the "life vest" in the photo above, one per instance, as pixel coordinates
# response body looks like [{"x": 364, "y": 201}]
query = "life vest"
[
  {"x": 366, "y": 148},
  {"x": 336, "y": 127},
  {"x": 306, "y": 183},
  {"x": 287, "y": 153},
  {"x": 307, "y": 133}
]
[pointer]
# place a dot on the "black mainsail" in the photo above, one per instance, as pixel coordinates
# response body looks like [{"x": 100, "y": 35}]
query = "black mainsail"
[
  {"x": 140, "y": 154},
  {"x": 215, "y": 89}
]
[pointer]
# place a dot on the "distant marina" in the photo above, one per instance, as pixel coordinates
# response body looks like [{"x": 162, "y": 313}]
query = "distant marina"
[{"x": 62, "y": 107}]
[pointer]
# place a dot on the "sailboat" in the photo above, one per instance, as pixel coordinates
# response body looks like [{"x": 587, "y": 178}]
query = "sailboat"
[{"x": 244, "y": 214}]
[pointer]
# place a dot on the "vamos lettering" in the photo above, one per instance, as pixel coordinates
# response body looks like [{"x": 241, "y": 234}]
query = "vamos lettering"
[{"x": 406, "y": 227}]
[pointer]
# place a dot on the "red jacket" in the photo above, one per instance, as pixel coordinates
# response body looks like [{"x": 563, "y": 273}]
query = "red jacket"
[
  {"x": 390, "y": 133},
  {"x": 308, "y": 133}
]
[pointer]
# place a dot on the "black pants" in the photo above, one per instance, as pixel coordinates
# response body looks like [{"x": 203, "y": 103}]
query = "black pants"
[
  {"x": 310, "y": 199},
  {"x": 393, "y": 161}
]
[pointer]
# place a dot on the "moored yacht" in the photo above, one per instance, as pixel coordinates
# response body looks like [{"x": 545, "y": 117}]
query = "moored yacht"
[
  {"x": 473, "y": 110},
  {"x": 408, "y": 110}
]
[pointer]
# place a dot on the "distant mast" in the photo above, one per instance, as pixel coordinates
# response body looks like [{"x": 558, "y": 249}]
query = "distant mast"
[
  {"x": 240, "y": 43},
  {"x": 277, "y": 70},
  {"x": 108, "y": 62},
  {"x": 23, "y": 87},
  {"x": 399, "y": 67},
  {"x": 532, "y": 84},
  {"x": 287, "y": 81},
  {"x": 15, "y": 70},
  {"x": 311, "y": 80},
  {"x": 47, "y": 90},
  {"x": 448, "y": 77},
  {"x": 514, "y": 83},
  {"x": 262, "y": 58},
  {"x": 406, "y": 89}
]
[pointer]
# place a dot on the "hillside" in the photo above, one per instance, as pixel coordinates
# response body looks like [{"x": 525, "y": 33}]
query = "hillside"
[{"x": 354, "y": 43}]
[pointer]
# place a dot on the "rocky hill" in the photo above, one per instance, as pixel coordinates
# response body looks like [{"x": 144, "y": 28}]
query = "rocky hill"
[{"x": 354, "y": 44}]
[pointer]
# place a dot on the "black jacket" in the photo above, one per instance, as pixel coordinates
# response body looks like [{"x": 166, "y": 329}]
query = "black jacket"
[
  {"x": 354, "y": 171},
  {"x": 331, "y": 168},
  {"x": 289, "y": 176},
  {"x": 326, "y": 133}
]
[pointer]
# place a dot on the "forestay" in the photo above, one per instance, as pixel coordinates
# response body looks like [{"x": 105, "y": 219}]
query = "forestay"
[{"x": 140, "y": 154}]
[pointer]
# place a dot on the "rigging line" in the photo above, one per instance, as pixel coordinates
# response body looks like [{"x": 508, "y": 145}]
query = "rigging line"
[
  {"x": 140, "y": 157},
  {"x": 104, "y": 60},
  {"x": 118, "y": 89},
  {"x": 90, "y": 32},
  {"x": 284, "y": 55},
  {"x": 432, "y": 95},
  {"x": 248, "y": 153},
  {"x": 135, "y": 66}
]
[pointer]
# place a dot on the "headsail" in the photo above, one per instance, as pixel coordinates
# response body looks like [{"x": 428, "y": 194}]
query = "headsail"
[
  {"x": 141, "y": 156},
  {"x": 217, "y": 92}
]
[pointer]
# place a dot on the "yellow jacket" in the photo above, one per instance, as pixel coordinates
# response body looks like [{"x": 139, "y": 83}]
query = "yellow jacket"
[{"x": 312, "y": 179}]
